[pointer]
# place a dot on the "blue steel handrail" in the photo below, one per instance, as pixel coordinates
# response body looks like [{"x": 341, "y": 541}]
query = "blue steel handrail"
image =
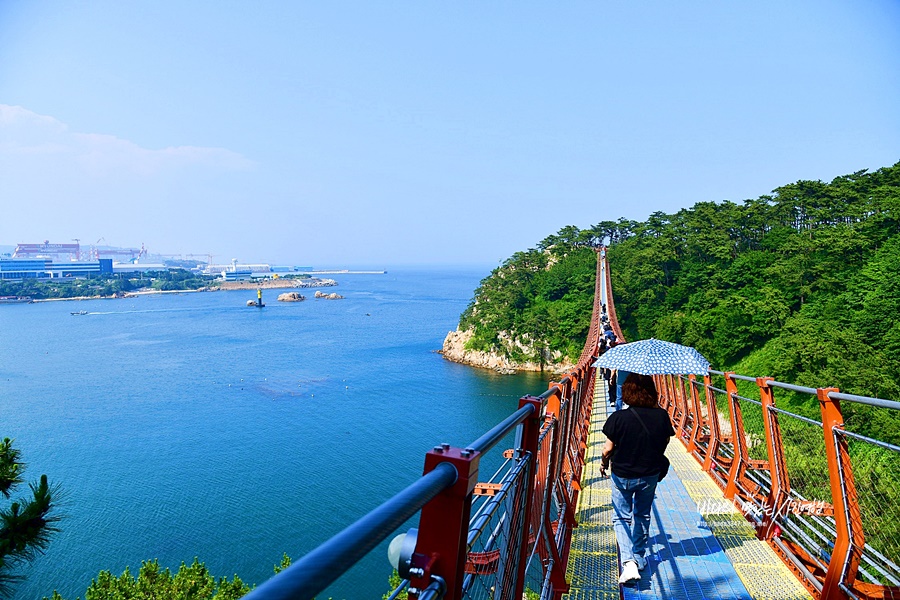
[
  {"x": 492, "y": 437},
  {"x": 868, "y": 400},
  {"x": 323, "y": 565},
  {"x": 318, "y": 569}
]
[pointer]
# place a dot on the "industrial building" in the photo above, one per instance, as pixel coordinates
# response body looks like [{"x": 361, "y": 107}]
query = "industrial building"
[
  {"x": 34, "y": 268},
  {"x": 75, "y": 252}
]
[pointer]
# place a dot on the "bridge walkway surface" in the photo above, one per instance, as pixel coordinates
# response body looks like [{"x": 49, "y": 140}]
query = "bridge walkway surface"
[{"x": 701, "y": 546}]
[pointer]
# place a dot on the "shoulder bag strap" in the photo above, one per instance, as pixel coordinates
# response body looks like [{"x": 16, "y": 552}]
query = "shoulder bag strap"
[{"x": 640, "y": 420}]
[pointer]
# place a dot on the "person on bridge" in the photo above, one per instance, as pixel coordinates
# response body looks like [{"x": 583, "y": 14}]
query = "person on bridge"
[
  {"x": 621, "y": 378},
  {"x": 635, "y": 442}
]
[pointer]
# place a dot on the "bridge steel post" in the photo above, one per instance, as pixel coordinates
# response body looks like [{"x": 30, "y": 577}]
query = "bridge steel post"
[
  {"x": 669, "y": 394},
  {"x": 683, "y": 406},
  {"x": 558, "y": 568},
  {"x": 583, "y": 423},
  {"x": 662, "y": 387},
  {"x": 739, "y": 443},
  {"x": 565, "y": 481},
  {"x": 849, "y": 542},
  {"x": 665, "y": 395},
  {"x": 697, "y": 415},
  {"x": 715, "y": 431},
  {"x": 556, "y": 408},
  {"x": 568, "y": 484},
  {"x": 444, "y": 523},
  {"x": 781, "y": 486},
  {"x": 679, "y": 412},
  {"x": 531, "y": 430}
]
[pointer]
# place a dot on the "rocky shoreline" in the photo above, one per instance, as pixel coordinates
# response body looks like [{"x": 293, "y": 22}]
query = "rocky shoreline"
[
  {"x": 454, "y": 349},
  {"x": 276, "y": 284}
]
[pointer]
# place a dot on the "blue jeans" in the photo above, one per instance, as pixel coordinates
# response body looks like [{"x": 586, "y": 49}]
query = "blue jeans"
[
  {"x": 621, "y": 376},
  {"x": 631, "y": 500}
]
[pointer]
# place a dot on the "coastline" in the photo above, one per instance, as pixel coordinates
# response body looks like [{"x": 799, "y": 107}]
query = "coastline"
[
  {"x": 276, "y": 284},
  {"x": 454, "y": 350},
  {"x": 222, "y": 287},
  {"x": 123, "y": 295}
]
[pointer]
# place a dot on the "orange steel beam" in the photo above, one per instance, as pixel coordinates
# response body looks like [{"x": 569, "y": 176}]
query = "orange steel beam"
[
  {"x": 531, "y": 429},
  {"x": 737, "y": 435},
  {"x": 697, "y": 429},
  {"x": 715, "y": 432},
  {"x": 558, "y": 570},
  {"x": 781, "y": 485},
  {"x": 848, "y": 546},
  {"x": 444, "y": 523},
  {"x": 681, "y": 413}
]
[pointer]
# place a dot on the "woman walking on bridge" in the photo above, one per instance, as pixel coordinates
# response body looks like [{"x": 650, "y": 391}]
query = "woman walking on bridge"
[{"x": 636, "y": 440}]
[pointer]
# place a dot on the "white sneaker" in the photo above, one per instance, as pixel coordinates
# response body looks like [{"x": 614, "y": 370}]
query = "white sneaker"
[
  {"x": 641, "y": 562},
  {"x": 629, "y": 572}
]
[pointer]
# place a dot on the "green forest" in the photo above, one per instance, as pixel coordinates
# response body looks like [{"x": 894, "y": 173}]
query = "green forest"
[
  {"x": 802, "y": 285},
  {"x": 104, "y": 285}
]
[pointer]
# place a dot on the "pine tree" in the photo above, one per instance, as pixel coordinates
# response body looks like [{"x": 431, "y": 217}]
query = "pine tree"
[{"x": 27, "y": 524}]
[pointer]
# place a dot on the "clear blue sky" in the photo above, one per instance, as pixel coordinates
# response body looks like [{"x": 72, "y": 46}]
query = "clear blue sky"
[{"x": 363, "y": 133}]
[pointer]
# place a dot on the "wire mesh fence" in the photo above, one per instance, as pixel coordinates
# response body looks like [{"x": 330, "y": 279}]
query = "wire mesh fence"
[
  {"x": 755, "y": 479},
  {"x": 723, "y": 451},
  {"x": 495, "y": 535},
  {"x": 876, "y": 474},
  {"x": 685, "y": 402},
  {"x": 806, "y": 515}
]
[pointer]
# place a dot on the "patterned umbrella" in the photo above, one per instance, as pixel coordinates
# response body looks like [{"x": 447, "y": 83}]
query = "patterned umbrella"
[{"x": 653, "y": 357}]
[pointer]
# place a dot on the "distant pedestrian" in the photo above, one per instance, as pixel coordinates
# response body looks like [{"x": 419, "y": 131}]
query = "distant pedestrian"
[
  {"x": 621, "y": 377},
  {"x": 611, "y": 386},
  {"x": 636, "y": 440}
]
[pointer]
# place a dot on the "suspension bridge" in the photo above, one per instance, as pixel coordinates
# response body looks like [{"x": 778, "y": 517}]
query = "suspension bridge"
[{"x": 760, "y": 503}]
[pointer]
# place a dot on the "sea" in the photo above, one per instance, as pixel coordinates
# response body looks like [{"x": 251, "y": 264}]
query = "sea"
[{"x": 190, "y": 425}]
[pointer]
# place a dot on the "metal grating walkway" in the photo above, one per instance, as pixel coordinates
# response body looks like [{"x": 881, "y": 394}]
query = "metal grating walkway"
[
  {"x": 593, "y": 570},
  {"x": 759, "y": 568},
  {"x": 692, "y": 555}
]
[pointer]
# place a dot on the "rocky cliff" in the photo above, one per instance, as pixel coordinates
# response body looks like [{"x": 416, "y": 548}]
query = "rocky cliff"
[{"x": 455, "y": 349}]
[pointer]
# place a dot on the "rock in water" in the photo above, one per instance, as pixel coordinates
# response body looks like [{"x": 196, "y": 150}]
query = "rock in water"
[
  {"x": 329, "y": 296},
  {"x": 291, "y": 297}
]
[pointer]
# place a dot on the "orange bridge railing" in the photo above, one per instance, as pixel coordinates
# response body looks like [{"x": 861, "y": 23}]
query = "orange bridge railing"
[{"x": 825, "y": 498}]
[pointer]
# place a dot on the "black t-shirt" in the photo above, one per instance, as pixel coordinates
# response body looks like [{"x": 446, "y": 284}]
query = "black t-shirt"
[{"x": 635, "y": 453}]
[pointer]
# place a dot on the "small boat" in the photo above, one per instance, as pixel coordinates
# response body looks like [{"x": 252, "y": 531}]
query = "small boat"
[{"x": 80, "y": 312}]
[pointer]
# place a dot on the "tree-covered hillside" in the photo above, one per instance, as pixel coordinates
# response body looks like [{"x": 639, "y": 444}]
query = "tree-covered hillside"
[
  {"x": 536, "y": 306},
  {"x": 802, "y": 285}
]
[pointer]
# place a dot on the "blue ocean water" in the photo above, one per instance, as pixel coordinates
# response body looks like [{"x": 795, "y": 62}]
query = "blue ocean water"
[{"x": 191, "y": 425}]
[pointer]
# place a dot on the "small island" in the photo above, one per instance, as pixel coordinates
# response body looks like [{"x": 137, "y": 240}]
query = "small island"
[
  {"x": 291, "y": 297},
  {"x": 331, "y": 296}
]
